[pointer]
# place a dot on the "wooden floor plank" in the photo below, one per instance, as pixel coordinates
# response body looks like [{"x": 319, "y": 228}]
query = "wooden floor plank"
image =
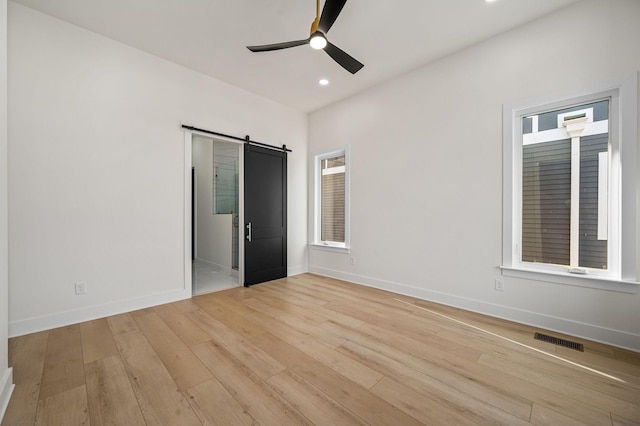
[
  {"x": 185, "y": 368},
  {"x": 110, "y": 395},
  {"x": 627, "y": 356},
  {"x": 375, "y": 348},
  {"x": 320, "y": 351},
  {"x": 255, "y": 396},
  {"x": 227, "y": 316},
  {"x": 553, "y": 365},
  {"x": 629, "y": 372},
  {"x": 97, "y": 340},
  {"x": 214, "y": 405},
  {"x": 289, "y": 293},
  {"x": 415, "y": 404},
  {"x": 158, "y": 395},
  {"x": 297, "y": 285},
  {"x": 619, "y": 421},
  {"x": 449, "y": 391},
  {"x": 26, "y": 357},
  {"x": 182, "y": 326},
  {"x": 311, "y": 402},
  {"x": 353, "y": 397},
  {"x": 292, "y": 310},
  {"x": 123, "y": 323},
  {"x": 186, "y": 306},
  {"x": 294, "y": 322},
  {"x": 261, "y": 363},
  {"x": 569, "y": 389},
  {"x": 67, "y": 408},
  {"x": 543, "y": 416},
  {"x": 222, "y": 298},
  {"x": 63, "y": 365},
  {"x": 421, "y": 342}
]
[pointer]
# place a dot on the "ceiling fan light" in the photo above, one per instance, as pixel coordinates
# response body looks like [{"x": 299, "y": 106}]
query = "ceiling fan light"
[{"x": 318, "y": 41}]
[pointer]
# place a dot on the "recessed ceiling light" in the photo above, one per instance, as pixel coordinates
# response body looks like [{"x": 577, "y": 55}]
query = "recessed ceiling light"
[
  {"x": 490, "y": 1},
  {"x": 323, "y": 82}
]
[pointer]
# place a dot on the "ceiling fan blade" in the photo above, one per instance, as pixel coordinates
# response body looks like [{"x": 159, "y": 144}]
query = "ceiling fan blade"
[
  {"x": 330, "y": 12},
  {"x": 345, "y": 60},
  {"x": 278, "y": 46}
]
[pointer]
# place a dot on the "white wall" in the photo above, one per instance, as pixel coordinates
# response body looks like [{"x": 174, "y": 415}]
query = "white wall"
[
  {"x": 96, "y": 170},
  {"x": 214, "y": 231},
  {"x": 426, "y": 157},
  {"x": 6, "y": 381}
]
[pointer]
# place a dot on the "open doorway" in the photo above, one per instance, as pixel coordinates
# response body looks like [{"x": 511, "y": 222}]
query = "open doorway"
[{"x": 216, "y": 214}]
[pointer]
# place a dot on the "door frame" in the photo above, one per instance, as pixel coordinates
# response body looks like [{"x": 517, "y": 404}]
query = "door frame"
[{"x": 188, "y": 152}]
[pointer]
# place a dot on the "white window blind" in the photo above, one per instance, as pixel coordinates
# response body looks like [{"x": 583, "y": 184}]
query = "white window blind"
[{"x": 333, "y": 199}]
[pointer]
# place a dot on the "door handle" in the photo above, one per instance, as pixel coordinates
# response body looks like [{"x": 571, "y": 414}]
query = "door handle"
[{"x": 249, "y": 233}]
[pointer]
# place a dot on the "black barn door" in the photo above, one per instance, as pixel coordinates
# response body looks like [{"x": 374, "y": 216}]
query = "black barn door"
[{"x": 265, "y": 214}]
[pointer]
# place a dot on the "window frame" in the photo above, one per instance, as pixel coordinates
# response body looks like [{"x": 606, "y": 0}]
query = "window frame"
[
  {"x": 623, "y": 134},
  {"x": 317, "y": 242}
]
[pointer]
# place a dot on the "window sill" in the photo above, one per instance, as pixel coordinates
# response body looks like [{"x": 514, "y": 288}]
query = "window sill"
[
  {"x": 601, "y": 283},
  {"x": 328, "y": 247}
]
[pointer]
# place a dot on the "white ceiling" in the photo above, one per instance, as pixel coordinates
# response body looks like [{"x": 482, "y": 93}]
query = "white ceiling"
[{"x": 389, "y": 37}]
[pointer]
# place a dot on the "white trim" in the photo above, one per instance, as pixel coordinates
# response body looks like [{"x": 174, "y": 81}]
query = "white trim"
[
  {"x": 592, "y": 332},
  {"x": 330, "y": 247},
  {"x": 241, "y": 214},
  {"x": 333, "y": 170},
  {"x": 534, "y": 123},
  {"x": 61, "y": 319},
  {"x": 296, "y": 270},
  {"x": 579, "y": 279},
  {"x": 597, "y": 128},
  {"x": 603, "y": 196},
  {"x": 628, "y": 135},
  {"x": 6, "y": 389},
  {"x": 188, "y": 145},
  {"x": 188, "y": 164},
  {"x": 574, "y": 238}
]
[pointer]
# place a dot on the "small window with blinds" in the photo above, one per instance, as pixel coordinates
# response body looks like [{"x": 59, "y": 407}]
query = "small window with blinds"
[{"x": 331, "y": 199}]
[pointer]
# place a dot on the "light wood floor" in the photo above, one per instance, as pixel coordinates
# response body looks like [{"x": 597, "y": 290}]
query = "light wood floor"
[{"x": 312, "y": 350}]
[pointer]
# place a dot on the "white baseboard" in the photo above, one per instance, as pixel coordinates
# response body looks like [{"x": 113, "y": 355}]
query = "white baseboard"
[
  {"x": 6, "y": 388},
  {"x": 296, "y": 270},
  {"x": 61, "y": 319},
  {"x": 561, "y": 325}
]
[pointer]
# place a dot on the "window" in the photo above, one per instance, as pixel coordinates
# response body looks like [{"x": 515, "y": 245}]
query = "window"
[
  {"x": 331, "y": 179},
  {"x": 569, "y": 189}
]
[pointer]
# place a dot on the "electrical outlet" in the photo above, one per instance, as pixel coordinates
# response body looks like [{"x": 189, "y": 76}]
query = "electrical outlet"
[
  {"x": 499, "y": 285},
  {"x": 81, "y": 288},
  {"x": 352, "y": 260}
]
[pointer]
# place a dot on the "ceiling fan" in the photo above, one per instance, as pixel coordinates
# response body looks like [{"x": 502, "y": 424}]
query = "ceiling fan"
[{"x": 318, "y": 40}]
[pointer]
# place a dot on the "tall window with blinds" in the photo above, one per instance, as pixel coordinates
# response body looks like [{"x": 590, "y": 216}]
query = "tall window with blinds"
[
  {"x": 565, "y": 183},
  {"x": 332, "y": 199}
]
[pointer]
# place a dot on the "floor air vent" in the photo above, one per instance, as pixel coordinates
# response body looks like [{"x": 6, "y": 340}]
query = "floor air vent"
[{"x": 561, "y": 342}]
